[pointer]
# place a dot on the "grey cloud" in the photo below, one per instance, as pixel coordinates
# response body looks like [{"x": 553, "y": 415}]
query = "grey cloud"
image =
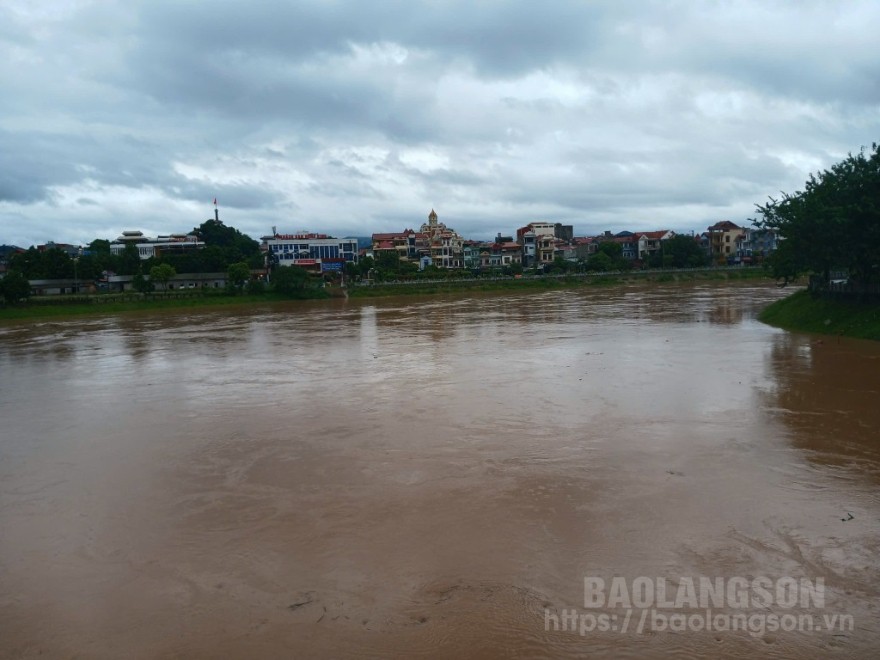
[{"x": 592, "y": 113}]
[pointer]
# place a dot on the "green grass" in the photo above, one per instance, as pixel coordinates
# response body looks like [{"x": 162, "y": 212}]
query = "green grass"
[
  {"x": 48, "y": 308},
  {"x": 803, "y": 312},
  {"x": 380, "y": 290}
]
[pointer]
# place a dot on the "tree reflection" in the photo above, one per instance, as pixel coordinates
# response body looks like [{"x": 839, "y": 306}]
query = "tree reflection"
[{"x": 827, "y": 393}]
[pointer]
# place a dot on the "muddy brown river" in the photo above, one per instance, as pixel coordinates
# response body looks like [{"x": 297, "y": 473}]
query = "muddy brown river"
[{"x": 441, "y": 477}]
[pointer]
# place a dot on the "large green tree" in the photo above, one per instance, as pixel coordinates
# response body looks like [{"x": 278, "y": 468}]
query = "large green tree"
[
  {"x": 289, "y": 280},
  {"x": 833, "y": 223},
  {"x": 162, "y": 274},
  {"x": 129, "y": 261},
  {"x": 680, "y": 251},
  {"x": 14, "y": 287},
  {"x": 237, "y": 274},
  {"x": 235, "y": 245}
]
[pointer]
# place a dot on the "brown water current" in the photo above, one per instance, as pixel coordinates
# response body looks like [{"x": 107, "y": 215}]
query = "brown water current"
[{"x": 432, "y": 477}]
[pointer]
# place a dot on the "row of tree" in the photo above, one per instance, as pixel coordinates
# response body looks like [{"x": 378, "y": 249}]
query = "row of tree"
[{"x": 224, "y": 246}]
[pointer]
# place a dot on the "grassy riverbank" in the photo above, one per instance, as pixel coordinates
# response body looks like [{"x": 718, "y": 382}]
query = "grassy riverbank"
[
  {"x": 90, "y": 306},
  {"x": 547, "y": 283},
  {"x": 49, "y": 307},
  {"x": 805, "y": 313}
]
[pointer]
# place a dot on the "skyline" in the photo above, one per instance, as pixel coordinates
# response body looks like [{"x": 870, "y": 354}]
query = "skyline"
[{"x": 353, "y": 118}]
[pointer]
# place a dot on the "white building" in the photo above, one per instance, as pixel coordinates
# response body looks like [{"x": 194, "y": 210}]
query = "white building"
[
  {"x": 312, "y": 251},
  {"x": 149, "y": 246}
]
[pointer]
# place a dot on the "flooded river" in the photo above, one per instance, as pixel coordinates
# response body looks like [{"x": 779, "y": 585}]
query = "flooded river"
[{"x": 436, "y": 477}]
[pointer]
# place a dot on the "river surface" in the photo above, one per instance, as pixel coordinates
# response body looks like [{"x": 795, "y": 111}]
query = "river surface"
[{"x": 433, "y": 477}]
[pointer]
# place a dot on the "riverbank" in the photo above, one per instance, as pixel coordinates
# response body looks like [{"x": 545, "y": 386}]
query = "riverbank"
[
  {"x": 553, "y": 282},
  {"x": 804, "y": 313},
  {"x": 121, "y": 303},
  {"x": 111, "y": 304}
]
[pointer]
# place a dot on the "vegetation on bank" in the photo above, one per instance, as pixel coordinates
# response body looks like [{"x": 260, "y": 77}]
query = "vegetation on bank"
[
  {"x": 292, "y": 283},
  {"x": 831, "y": 225},
  {"x": 57, "y": 306},
  {"x": 224, "y": 246},
  {"x": 806, "y": 312},
  {"x": 541, "y": 283}
]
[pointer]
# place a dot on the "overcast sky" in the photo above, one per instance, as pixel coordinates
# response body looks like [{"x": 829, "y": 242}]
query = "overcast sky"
[{"x": 360, "y": 116}]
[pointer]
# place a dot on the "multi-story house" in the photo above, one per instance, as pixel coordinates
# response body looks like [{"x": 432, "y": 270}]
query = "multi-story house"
[
  {"x": 722, "y": 238},
  {"x": 471, "y": 254},
  {"x": 755, "y": 244},
  {"x": 444, "y": 246},
  {"x": 629, "y": 244},
  {"x": 405, "y": 243},
  {"x": 545, "y": 247},
  {"x": 650, "y": 242},
  {"x": 311, "y": 251},
  {"x": 563, "y": 232},
  {"x": 537, "y": 240}
]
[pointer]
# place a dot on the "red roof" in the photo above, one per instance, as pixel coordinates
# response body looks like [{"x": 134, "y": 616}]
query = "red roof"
[
  {"x": 653, "y": 234},
  {"x": 724, "y": 225}
]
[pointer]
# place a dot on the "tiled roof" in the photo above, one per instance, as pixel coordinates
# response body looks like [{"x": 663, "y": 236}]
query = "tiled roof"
[{"x": 724, "y": 225}]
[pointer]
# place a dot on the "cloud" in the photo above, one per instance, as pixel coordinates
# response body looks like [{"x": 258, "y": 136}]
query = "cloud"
[{"x": 354, "y": 117}]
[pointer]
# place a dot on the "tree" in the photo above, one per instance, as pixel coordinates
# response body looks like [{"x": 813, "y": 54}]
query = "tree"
[
  {"x": 682, "y": 251},
  {"x": 162, "y": 273},
  {"x": 289, "y": 280},
  {"x": 58, "y": 264},
  {"x": 99, "y": 246},
  {"x": 234, "y": 245},
  {"x": 388, "y": 261},
  {"x": 29, "y": 263},
  {"x": 560, "y": 265},
  {"x": 102, "y": 256},
  {"x": 256, "y": 287},
  {"x": 608, "y": 256},
  {"x": 14, "y": 287},
  {"x": 130, "y": 260},
  {"x": 833, "y": 223},
  {"x": 600, "y": 262},
  {"x": 141, "y": 284},
  {"x": 237, "y": 274}
]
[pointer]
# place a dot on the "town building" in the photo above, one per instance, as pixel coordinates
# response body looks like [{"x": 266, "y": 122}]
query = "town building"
[
  {"x": 538, "y": 243},
  {"x": 156, "y": 246},
  {"x": 405, "y": 243},
  {"x": 755, "y": 244},
  {"x": 498, "y": 255},
  {"x": 445, "y": 246},
  {"x": 563, "y": 232},
  {"x": 650, "y": 243},
  {"x": 71, "y": 251},
  {"x": 318, "y": 252},
  {"x": 722, "y": 239},
  {"x": 471, "y": 254}
]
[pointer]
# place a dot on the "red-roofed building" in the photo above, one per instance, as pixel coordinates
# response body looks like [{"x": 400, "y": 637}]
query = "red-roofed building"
[
  {"x": 403, "y": 242},
  {"x": 649, "y": 242}
]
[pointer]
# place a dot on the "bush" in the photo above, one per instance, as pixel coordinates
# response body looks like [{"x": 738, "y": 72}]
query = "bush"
[{"x": 14, "y": 287}]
